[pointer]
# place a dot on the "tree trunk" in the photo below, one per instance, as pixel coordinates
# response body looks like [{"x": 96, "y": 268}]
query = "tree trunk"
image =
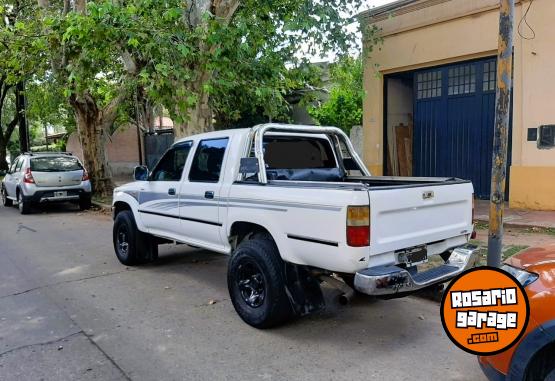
[
  {"x": 199, "y": 117},
  {"x": 144, "y": 111},
  {"x": 3, "y": 154},
  {"x": 92, "y": 126}
]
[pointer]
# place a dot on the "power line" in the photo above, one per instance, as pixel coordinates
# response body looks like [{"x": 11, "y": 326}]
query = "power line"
[{"x": 524, "y": 20}]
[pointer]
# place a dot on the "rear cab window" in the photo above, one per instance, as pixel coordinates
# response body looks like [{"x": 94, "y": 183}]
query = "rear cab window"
[
  {"x": 55, "y": 164},
  {"x": 299, "y": 158}
]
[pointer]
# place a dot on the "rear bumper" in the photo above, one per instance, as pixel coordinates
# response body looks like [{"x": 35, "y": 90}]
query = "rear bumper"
[
  {"x": 390, "y": 280},
  {"x": 50, "y": 195}
]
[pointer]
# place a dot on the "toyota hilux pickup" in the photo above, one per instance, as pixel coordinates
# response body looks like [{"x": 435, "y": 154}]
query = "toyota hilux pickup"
[{"x": 294, "y": 206}]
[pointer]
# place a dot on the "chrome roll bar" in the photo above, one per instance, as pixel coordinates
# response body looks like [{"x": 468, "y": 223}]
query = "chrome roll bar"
[{"x": 262, "y": 129}]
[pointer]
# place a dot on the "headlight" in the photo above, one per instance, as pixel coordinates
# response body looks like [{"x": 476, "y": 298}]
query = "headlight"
[{"x": 524, "y": 277}]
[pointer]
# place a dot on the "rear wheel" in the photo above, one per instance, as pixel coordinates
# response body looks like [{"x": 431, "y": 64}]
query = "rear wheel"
[
  {"x": 5, "y": 200},
  {"x": 256, "y": 283},
  {"x": 24, "y": 206},
  {"x": 132, "y": 247},
  {"x": 84, "y": 202}
]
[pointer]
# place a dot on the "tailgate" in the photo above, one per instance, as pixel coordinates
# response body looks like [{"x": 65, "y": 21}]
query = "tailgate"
[
  {"x": 410, "y": 216},
  {"x": 57, "y": 179}
]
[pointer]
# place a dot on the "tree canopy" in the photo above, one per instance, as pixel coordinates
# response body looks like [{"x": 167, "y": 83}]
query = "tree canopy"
[
  {"x": 209, "y": 63},
  {"x": 343, "y": 107}
]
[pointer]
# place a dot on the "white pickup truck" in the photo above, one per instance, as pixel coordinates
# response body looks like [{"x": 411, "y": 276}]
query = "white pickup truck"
[{"x": 295, "y": 205}]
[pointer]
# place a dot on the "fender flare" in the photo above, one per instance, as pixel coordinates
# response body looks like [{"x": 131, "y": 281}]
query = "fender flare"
[
  {"x": 534, "y": 342},
  {"x": 128, "y": 199}
]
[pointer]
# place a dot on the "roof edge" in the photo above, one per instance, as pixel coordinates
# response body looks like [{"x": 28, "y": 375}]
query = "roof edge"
[{"x": 372, "y": 12}]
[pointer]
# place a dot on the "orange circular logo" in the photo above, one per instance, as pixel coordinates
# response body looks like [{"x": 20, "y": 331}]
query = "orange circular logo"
[{"x": 484, "y": 311}]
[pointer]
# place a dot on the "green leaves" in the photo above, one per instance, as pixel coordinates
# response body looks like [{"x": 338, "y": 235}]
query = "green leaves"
[{"x": 343, "y": 108}]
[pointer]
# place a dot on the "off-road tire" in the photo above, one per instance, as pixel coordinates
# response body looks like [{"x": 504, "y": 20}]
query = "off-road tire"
[
  {"x": 5, "y": 200},
  {"x": 132, "y": 247},
  {"x": 85, "y": 202},
  {"x": 262, "y": 253},
  {"x": 24, "y": 206}
]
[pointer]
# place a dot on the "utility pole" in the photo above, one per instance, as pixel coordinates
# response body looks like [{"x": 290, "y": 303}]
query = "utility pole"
[
  {"x": 501, "y": 131},
  {"x": 21, "y": 108}
]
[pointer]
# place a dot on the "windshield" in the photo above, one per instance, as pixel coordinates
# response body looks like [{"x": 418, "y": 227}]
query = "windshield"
[{"x": 55, "y": 164}]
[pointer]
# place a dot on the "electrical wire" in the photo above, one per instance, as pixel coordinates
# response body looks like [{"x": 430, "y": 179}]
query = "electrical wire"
[{"x": 525, "y": 20}]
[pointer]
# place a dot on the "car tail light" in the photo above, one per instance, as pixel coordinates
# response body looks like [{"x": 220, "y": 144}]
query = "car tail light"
[
  {"x": 85, "y": 175},
  {"x": 28, "y": 177},
  {"x": 358, "y": 226}
]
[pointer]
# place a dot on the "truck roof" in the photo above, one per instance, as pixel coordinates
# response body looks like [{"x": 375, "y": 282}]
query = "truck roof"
[{"x": 217, "y": 134}]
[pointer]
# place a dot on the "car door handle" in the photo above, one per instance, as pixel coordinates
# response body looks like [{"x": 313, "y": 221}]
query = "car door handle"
[
  {"x": 171, "y": 191},
  {"x": 209, "y": 195}
]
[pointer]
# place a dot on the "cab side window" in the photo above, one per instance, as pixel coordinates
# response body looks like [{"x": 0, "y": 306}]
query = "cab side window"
[
  {"x": 170, "y": 167},
  {"x": 207, "y": 163}
]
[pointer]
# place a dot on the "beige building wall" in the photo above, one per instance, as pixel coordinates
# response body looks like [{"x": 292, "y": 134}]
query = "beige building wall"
[{"x": 434, "y": 32}]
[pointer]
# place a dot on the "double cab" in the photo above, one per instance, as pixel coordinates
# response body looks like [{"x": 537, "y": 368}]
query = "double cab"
[{"x": 293, "y": 206}]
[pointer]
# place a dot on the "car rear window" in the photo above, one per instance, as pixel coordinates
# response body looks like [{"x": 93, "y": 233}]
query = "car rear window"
[
  {"x": 298, "y": 153},
  {"x": 55, "y": 164}
]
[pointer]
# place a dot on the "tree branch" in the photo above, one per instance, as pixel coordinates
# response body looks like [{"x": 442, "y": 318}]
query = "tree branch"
[
  {"x": 110, "y": 112},
  {"x": 10, "y": 128}
]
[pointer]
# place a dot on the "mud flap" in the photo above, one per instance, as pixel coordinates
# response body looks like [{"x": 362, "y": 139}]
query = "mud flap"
[{"x": 303, "y": 290}]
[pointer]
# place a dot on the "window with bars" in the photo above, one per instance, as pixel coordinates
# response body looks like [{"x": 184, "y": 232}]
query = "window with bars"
[
  {"x": 462, "y": 80},
  {"x": 490, "y": 74},
  {"x": 428, "y": 84}
]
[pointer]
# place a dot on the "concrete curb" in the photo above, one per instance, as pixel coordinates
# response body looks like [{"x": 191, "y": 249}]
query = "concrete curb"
[
  {"x": 105, "y": 207},
  {"x": 516, "y": 225}
]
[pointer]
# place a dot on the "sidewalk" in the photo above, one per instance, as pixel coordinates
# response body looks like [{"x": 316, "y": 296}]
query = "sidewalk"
[{"x": 517, "y": 217}]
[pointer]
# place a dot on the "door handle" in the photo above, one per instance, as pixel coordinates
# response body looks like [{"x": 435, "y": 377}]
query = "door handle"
[
  {"x": 209, "y": 195},
  {"x": 171, "y": 191}
]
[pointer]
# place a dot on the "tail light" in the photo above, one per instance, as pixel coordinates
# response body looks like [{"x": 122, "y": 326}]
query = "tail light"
[
  {"x": 85, "y": 175},
  {"x": 358, "y": 226},
  {"x": 28, "y": 177}
]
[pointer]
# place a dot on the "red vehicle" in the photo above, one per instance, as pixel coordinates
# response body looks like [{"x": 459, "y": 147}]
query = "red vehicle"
[{"x": 533, "y": 357}]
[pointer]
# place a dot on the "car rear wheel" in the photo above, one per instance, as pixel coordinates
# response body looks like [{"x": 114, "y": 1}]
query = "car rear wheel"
[
  {"x": 256, "y": 283},
  {"x": 24, "y": 206},
  {"x": 5, "y": 200},
  {"x": 132, "y": 247},
  {"x": 85, "y": 202}
]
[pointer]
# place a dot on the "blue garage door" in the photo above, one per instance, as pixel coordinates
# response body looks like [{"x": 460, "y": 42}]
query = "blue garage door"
[{"x": 453, "y": 123}]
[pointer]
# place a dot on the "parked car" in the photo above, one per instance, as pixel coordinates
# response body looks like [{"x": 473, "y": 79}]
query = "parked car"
[
  {"x": 533, "y": 357},
  {"x": 293, "y": 205},
  {"x": 35, "y": 178}
]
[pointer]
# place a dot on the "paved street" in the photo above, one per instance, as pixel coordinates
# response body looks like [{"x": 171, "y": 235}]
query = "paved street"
[{"x": 70, "y": 311}]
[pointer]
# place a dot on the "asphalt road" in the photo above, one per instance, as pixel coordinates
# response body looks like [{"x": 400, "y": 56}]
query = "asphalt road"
[{"x": 70, "y": 311}]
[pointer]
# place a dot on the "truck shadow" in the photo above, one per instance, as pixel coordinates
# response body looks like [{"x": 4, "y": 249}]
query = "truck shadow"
[{"x": 381, "y": 322}]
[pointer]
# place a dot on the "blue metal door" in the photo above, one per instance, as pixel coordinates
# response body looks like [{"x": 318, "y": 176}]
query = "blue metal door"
[{"x": 454, "y": 112}]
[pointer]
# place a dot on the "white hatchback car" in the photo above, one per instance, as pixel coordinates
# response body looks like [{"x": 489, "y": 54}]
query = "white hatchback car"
[{"x": 35, "y": 178}]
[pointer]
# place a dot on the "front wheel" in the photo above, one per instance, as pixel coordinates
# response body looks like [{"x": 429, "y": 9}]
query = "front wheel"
[
  {"x": 85, "y": 202},
  {"x": 5, "y": 200},
  {"x": 132, "y": 247},
  {"x": 256, "y": 283}
]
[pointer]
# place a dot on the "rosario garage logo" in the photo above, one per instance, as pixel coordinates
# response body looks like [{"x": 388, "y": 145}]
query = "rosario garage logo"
[{"x": 484, "y": 311}]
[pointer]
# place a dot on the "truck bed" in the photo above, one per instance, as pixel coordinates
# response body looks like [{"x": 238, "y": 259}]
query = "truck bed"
[{"x": 392, "y": 182}]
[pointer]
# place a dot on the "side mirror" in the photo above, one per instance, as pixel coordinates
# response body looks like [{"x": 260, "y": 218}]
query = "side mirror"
[
  {"x": 248, "y": 165},
  {"x": 140, "y": 173}
]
